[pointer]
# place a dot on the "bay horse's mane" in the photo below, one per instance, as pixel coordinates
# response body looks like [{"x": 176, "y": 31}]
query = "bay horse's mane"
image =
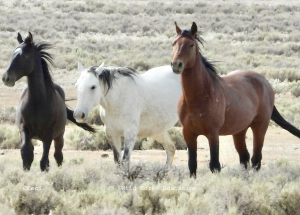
[
  {"x": 209, "y": 66},
  {"x": 107, "y": 76},
  {"x": 46, "y": 58}
]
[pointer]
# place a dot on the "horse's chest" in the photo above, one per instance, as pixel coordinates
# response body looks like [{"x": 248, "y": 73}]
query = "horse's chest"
[{"x": 38, "y": 120}]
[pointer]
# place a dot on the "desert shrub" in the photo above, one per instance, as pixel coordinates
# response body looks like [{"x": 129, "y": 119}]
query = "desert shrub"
[
  {"x": 8, "y": 114},
  {"x": 9, "y": 137},
  {"x": 76, "y": 161},
  {"x": 35, "y": 202},
  {"x": 176, "y": 134},
  {"x": 149, "y": 188},
  {"x": 94, "y": 116},
  {"x": 79, "y": 139}
]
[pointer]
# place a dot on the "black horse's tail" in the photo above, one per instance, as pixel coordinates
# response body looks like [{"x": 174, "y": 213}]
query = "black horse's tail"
[
  {"x": 82, "y": 125},
  {"x": 276, "y": 117}
]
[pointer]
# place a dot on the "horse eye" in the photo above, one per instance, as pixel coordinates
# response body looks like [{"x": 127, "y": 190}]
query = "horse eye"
[
  {"x": 93, "y": 87},
  {"x": 192, "y": 45}
]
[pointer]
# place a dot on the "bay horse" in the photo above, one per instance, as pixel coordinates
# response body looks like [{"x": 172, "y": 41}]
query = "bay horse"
[
  {"x": 42, "y": 111},
  {"x": 211, "y": 105},
  {"x": 131, "y": 105}
]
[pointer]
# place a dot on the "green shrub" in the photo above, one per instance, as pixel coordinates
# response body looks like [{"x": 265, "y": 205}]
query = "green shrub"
[
  {"x": 8, "y": 114},
  {"x": 9, "y": 137}
]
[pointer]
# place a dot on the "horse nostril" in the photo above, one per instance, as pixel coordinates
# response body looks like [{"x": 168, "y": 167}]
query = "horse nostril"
[
  {"x": 5, "y": 78},
  {"x": 180, "y": 64},
  {"x": 82, "y": 116}
]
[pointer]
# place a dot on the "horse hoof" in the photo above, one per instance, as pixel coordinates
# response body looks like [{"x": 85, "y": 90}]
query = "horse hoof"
[{"x": 193, "y": 175}]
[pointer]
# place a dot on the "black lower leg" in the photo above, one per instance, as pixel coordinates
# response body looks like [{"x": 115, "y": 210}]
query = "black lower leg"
[
  {"x": 27, "y": 156},
  {"x": 214, "y": 163},
  {"x": 244, "y": 159},
  {"x": 26, "y": 150},
  {"x": 192, "y": 161},
  {"x": 256, "y": 161}
]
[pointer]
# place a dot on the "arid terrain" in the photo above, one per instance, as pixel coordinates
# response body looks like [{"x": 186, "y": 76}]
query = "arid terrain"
[{"x": 259, "y": 35}]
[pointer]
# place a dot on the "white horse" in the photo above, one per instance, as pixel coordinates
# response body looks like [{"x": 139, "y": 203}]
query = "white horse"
[{"x": 131, "y": 105}]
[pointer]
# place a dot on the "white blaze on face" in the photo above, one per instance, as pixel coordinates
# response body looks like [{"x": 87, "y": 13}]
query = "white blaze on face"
[{"x": 18, "y": 50}]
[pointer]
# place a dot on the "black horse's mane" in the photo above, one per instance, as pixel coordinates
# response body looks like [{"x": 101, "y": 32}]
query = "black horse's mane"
[
  {"x": 210, "y": 66},
  {"x": 108, "y": 75},
  {"x": 46, "y": 58}
]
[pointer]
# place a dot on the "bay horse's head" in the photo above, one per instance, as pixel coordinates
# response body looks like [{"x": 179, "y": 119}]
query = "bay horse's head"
[
  {"x": 185, "y": 49},
  {"x": 22, "y": 62}
]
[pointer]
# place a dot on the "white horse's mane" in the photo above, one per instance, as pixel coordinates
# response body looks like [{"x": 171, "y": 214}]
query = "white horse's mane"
[{"x": 109, "y": 74}]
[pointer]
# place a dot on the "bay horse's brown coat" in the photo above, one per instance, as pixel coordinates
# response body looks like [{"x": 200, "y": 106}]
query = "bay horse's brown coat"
[{"x": 212, "y": 105}]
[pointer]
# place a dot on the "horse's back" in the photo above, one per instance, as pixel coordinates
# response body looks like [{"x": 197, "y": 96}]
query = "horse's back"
[
  {"x": 160, "y": 93},
  {"x": 248, "y": 96},
  {"x": 247, "y": 80}
]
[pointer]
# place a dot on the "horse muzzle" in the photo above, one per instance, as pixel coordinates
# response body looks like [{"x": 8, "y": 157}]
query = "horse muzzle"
[
  {"x": 80, "y": 116},
  {"x": 7, "y": 80},
  {"x": 177, "y": 67}
]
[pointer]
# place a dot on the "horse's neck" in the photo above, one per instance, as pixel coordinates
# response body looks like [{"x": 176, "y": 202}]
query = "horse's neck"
[
  {"x": 197, "y": 84},
  {"x": 37, "y": 89}
]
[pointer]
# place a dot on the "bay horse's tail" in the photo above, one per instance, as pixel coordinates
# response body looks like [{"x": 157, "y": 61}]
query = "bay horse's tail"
[
  {"x": 82, "y": 125},
  {"x": 276, "y": 117}
]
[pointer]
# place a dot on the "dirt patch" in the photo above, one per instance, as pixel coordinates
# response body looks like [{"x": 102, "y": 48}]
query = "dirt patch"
[{"x": 278, "y": 144}]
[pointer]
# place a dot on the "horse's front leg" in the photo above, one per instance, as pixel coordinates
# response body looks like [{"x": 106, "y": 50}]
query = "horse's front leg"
[
  {"x": 191, "y": 142},
  {"x": 115, "y": 143},
  {"x": 129, "y": 142},
  {"x": 26, "y": 149},
  {"x": 44, "y": 163},
  {"x": 214, "y": 163}
]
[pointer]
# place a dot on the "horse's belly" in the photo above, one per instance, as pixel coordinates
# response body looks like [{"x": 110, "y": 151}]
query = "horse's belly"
[{"x": 150, "y": 126}]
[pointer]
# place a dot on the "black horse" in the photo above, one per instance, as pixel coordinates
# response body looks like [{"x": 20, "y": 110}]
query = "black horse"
[{"x": 42, "y": 111}]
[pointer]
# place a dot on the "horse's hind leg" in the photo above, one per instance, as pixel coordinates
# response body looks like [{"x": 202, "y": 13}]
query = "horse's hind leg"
[
  {"x": 58, "y": 145},
  {"x": 259, "y": 132},
  {"x": 168, "y": 144},
  {"x": 26, "y": 150},
  {"x": 240, "y": 145}
]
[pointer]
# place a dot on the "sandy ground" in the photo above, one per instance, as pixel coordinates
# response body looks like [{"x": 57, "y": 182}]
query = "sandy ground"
[{"x": 278, "y": 144}]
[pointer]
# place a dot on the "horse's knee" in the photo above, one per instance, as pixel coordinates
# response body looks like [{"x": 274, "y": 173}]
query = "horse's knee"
[{"x": 126, "y": 155}]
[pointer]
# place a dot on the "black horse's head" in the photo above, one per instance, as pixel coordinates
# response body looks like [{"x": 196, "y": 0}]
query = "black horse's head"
[{"x": 22, "y": 62}]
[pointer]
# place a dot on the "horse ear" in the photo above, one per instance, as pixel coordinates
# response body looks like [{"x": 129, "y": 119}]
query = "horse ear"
[
  {"x": 194, "y": 29},
  {"x": 100, "y": 69},
  {"x": 29, "y": 38},
  {"x": 178, "y": 30},
  {"x": 80, "y": 67},
  {"x": 19, "y": 38}
]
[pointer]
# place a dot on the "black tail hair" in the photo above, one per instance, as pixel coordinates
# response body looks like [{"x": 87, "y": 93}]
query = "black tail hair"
[
  {"x": 82, "y": 125},
  {"x": 276, "y": 117}
]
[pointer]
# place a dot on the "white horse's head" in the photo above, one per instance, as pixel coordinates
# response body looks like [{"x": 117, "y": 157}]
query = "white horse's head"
[{"x": 89, "y": 91}]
